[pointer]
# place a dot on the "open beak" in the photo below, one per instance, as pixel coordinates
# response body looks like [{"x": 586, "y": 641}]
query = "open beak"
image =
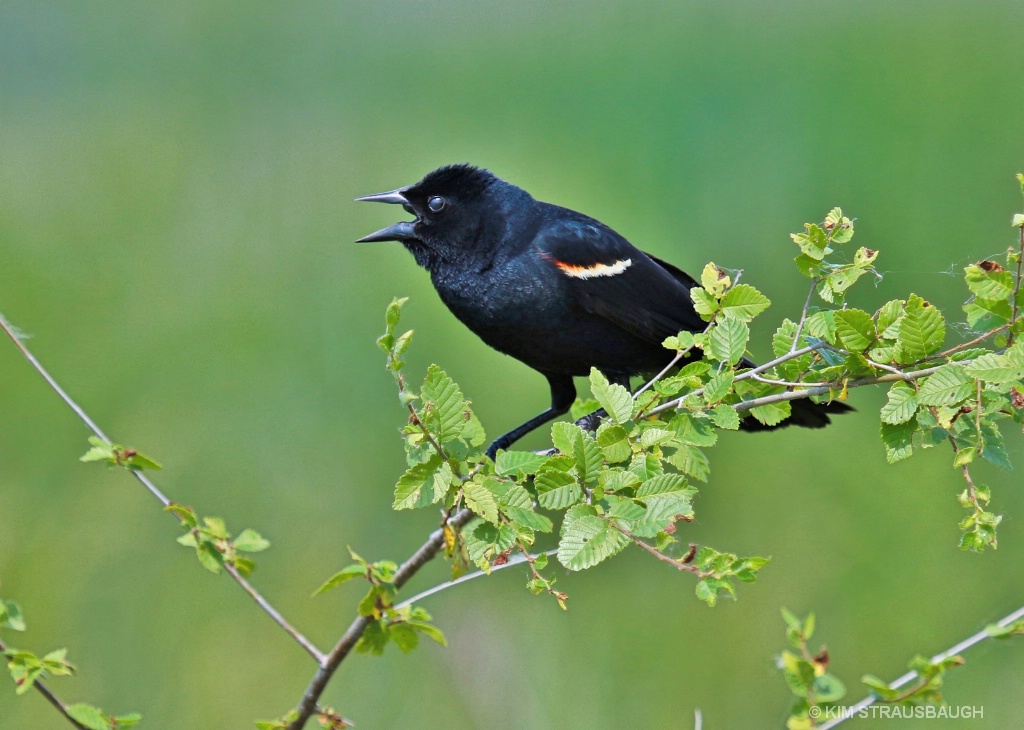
[{"x": 399, "y": 231}]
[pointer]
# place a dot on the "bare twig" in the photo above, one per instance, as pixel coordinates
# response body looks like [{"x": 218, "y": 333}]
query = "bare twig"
[
  {"x": 155, "y": 491},
  {"x": 803, "y": 315},
  {"x": 50, "y": 696},
  {"x": 427, "y": 552},
  {"x": 854, "y": 710}
]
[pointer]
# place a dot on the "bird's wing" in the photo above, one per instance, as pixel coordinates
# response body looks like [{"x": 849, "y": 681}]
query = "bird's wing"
[{"x": 611, "y": 278}]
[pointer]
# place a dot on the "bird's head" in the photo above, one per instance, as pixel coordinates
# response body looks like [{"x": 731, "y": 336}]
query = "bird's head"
[{"x": 454, "y": 207}]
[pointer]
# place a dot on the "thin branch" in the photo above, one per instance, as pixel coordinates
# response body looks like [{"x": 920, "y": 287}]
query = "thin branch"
[
  {"x": 154, "y": 490},
  {"x": 49, "y": 695},
  {"x": 803, "y": 315},
  {"x": 854, "y": 710},
  {"x": 678, "y": 564},
  {"x": 427, "y": 552},
  {"x": 824, "y": 389},
  {"x": 513, "y": 561}
]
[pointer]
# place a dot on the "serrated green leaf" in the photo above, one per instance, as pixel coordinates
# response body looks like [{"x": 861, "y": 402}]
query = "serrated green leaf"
[
  {"x": 855, "y": 329},
  {"x": 898, "y": 440},
  {"x": 725, "y": 416},
  {"x": 727, "y": 340},
  {"x": 664, "y": 485},
  {"x": 989, "y": 280},
  {"x": 655, "y": 436},
  {"x": 693, "y": 431},
  {"x": 772, "y": 413},
  {"x": 718, "y": 386},
  {"x": 480, "y": 499},
  {"x": 450, "y": 411},
  {"x": 556, "y": 489},
  {"x": 901, "y": 404},
  {"x": 822, "y": 324},
  {"x": 921, "y": 331},
  {"x": 614, "y": 443},
  {"x": 615, "y": 399},
  {"x": 705, "y": 304},
  {"x": 485, "y": 541},
  {"x": 888, "y": 315},
  {"x": 518, "y": 463},
  {"x": 744, "y": 302},
  {"x": 691, "y": 461},
  {"x": 11, "y": 616},
  {"x": 994, "y": 368},
  {"x": 947, "y": 385},
  {"x": 423, "y": 484},
  {"x": 586, "y": 539}
]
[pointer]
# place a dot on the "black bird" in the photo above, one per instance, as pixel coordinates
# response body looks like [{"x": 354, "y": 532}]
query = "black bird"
[{"x": 551, "y": 287}]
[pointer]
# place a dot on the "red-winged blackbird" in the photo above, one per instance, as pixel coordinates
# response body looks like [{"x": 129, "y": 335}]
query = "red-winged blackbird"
[{"x": 551, "y": 287}]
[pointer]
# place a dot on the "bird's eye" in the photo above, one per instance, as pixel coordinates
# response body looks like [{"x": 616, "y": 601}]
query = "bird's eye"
[{"x": 436, "y": 204}]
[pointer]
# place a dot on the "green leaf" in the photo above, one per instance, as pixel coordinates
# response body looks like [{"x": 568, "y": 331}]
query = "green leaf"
[
  {"x": 122, "y": 722},
  {"x": 587, "y": 539},
  {"x": 664, "y": 485},
  {"x": 813, "y": 242},
  {"x": 828, "y": 688},
  {"x": 344, "y": 575},
  {"x": 518, "y": 463},
  {"x": 485, "y": 542},
  {"x": 901, "y": 405},
  {"x": 718, "y": 386},
  {"x": 450, "y": 410},
  {"x": 250, "y": 541},
  {"x": 744, "y": 302},
  {"x": 693, "y": 431},
  {"x": 614, "y": 442},
  {"x": 423, "y": 484},
  {"x": 855, "y": 329},
  {"x": 989, "y": 280},
  {"x": 725, "y": 416},
  {"x": 88, "y": 716},
  {"x": 993, "y": 368},
  {"x": 772, "y": 413},
  {"x": 615, "y": 399},
  {"x": 898, "y": 440},
  {"x": 480, "y": 499},
  {"x": 839, "y": 227},
  {"x": 691, "y": 461},
  {"x": 430, "y": 631},
  {"x": 948, "y": 385},
  {"x": 727, "y": 340},
  {"x": 705, "y": 304},
  {"x": 11, "y": 617},
  {"x": 888, "y": 315},
  {"x": 714, "y": 280},
  {"x": 556, "y": 489},
  {"x": 921, "y": 331}
]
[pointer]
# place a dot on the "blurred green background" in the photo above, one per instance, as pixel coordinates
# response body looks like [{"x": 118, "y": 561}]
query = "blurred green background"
[{"x": 175, "y": 234}]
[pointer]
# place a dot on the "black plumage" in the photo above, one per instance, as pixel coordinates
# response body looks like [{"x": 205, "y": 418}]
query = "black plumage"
[{"x": 553, "y": 288}]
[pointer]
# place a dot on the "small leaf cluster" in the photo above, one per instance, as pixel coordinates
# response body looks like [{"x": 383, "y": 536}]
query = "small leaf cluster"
[
  {"x": 328, "y": 717},
  {"x": 925, "y": 689},
  {"x": 625, "y": 483},
  {"x": 807, "y": 676},
  {"x": 214, "y": 545},
  {"x": 401, "y": 625},
  {"x": 117, "y": 455},
  {"x": 27, "y": 668}
]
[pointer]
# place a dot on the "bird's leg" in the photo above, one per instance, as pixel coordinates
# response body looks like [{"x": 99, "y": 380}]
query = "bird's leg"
[
  {"x": 591, "y": 421},
  {"x": 563, "y": 393}
]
